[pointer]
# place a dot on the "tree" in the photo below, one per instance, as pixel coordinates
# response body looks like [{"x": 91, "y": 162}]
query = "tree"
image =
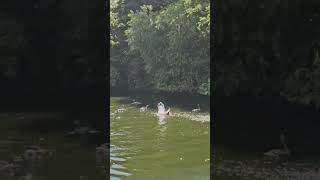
[{"x": 174, "y": 45}]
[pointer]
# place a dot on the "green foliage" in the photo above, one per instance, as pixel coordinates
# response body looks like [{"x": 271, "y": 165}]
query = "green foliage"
[
  {"x": 174, "y": 45},
  {"x": 114, "y": 22}
]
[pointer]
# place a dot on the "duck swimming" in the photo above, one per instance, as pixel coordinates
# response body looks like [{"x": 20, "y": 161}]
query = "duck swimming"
[
  {"x": 197, "y": 109},
  {"x": 35, "y": 153},
  {"x": 144, "y": 109},
  {"x": 136, "y": 102},
  {"x": 84, "y": 130},
  {"x": 121, "y": 109},
  {"x": 4, "y": 165},
  {"x": 7, "y": 168}
]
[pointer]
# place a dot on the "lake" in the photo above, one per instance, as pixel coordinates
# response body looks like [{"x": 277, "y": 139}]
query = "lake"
[
  {"x": 72, "y": 158},
  {"x": 146, "y": 147},
  {"x": 234, "y": 165}
]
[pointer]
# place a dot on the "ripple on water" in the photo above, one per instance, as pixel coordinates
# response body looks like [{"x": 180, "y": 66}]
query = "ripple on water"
[
  {"x": 158, "y": 146},
  {"x": 118, "y": 173},
  {"x": 116, "y": 156},
  {"x": 117, "y": 159},
  {"x": 114, "y": 178},
  {"x": 117, "y": 166}
]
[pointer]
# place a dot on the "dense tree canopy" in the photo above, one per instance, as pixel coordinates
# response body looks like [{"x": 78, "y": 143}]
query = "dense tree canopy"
[{"x": 166, "y": 48}]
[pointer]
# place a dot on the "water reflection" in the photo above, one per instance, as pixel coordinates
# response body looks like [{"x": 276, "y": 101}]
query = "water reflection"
[
  {"x": 118, "y": 173},
  {"x": 162, "y": 129},
  {"x": 114, "y": 178},
  {"x": 162, "y": 119},
  {"x": 117, "y": 170}
]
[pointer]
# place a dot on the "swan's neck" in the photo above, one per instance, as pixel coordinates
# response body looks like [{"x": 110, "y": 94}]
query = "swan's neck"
[{"x": 286, "y": 149}]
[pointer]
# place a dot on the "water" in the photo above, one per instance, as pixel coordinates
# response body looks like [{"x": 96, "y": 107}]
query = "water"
[
  {"x": 144, "y": 147},
  {"x": 240, "y": 156},
  {"x": 73, "y": 159},
  {"x": 241, "y": 166}
]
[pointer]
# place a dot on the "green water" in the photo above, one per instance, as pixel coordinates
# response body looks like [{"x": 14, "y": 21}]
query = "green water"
[
  {"x": 144, "y": 147},
  {"x": 74, "y": 157}
]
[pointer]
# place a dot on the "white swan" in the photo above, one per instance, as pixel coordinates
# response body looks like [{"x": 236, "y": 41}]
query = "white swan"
[
  {"x": 144, "y": 109},
  {"x": 197, "y": 109},
  {"x": 276, "y": 153},
  {"x": 162, "y": 110}
]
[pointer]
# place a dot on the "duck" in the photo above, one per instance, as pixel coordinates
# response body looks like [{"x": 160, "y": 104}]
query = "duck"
[
  {"x": 7, "y": 168},
  {"x": 136, "y": 102},
  {"x": 168, "y": 112},
  {"x": 197, "y": 109},
  {"x": 4, "y": 165},
  {"x": 144, "y": 109},
  {"x": 34, "y": 152},
  {"x": 84, "y": 130},
  {"x": 121, "y": 109}
]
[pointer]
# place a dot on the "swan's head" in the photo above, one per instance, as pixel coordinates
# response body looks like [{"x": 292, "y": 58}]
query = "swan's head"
[{"x": 160, "y": 104}]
